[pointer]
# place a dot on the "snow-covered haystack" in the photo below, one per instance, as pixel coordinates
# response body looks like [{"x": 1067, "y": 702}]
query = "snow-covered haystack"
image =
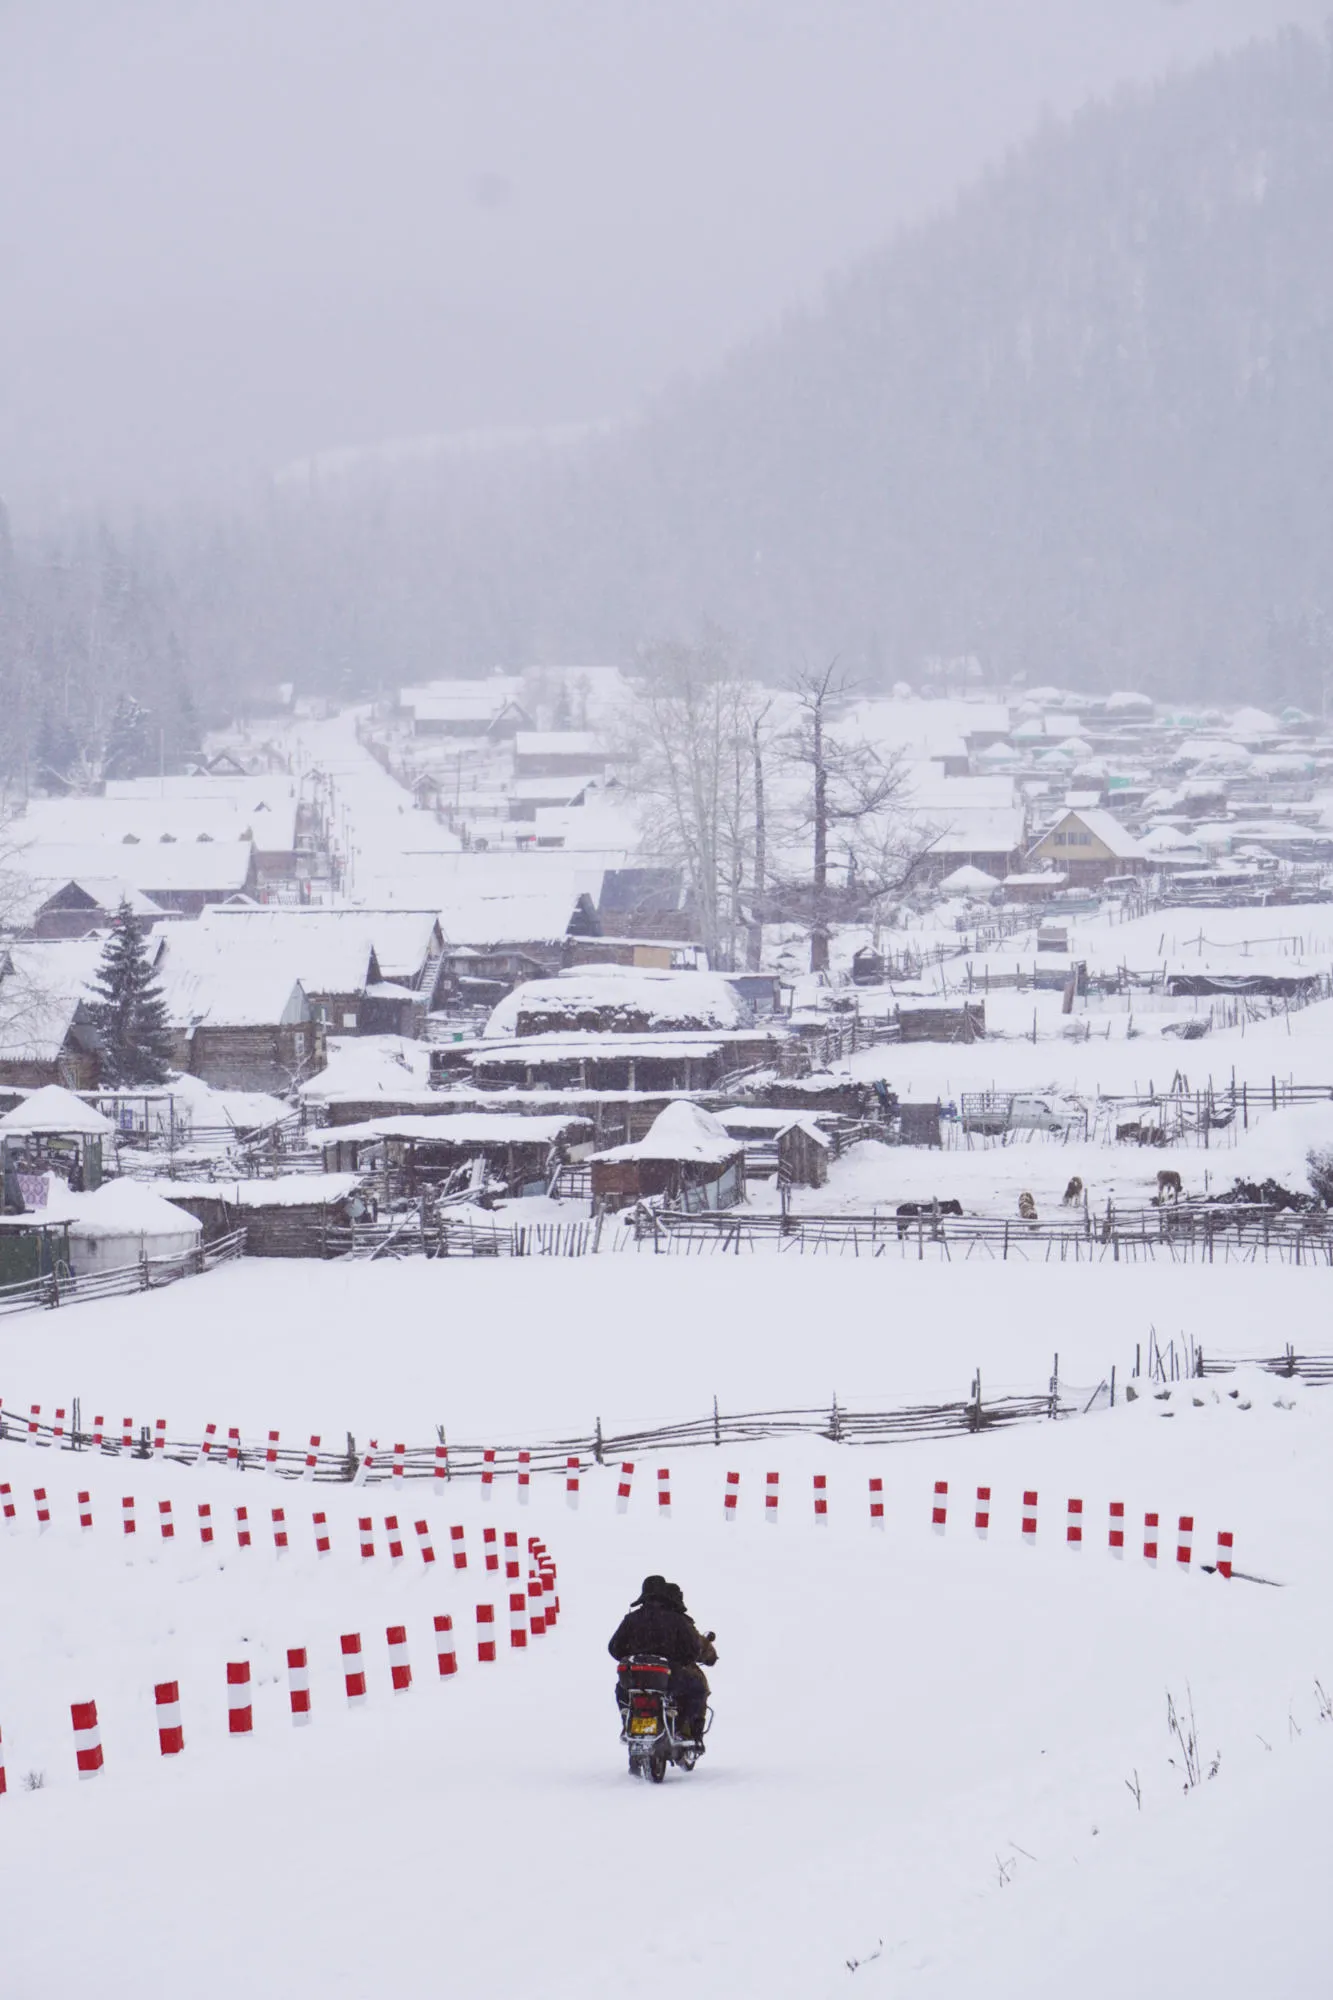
[
  {"x": 123, "y": 1222},
  {"x": 683, "y": 1131}
]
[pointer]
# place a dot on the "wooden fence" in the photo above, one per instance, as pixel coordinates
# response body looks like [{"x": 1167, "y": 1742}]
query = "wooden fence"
[
  {"x": 441, "y": 1460},
  {"x": 1175, "y": 1233},
  {"x": 60, "y": 1288}
]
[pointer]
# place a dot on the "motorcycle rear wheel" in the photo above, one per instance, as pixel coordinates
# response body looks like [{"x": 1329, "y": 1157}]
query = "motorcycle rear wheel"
[{"x": 657, "y": 1766}]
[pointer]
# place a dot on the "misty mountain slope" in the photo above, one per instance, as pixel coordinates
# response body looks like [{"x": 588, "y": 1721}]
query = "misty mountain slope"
[{"x": 1082, "y": 425}]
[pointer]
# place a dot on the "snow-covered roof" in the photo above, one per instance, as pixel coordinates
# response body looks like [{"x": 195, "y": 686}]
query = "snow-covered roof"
[
  {"x": 461, "y": 1128},
  {"x": 649, "y": 997},
  {"x": 40, "y": 994},
  {"x": 130, "y": 1208},
  {"x": 160, "y": 867},
  {"x": 284, "y": 1191},
  {"x": 573, "y": 1046},
  {"x": 982, "y": 833},
  {"x": 55, "y": 1110},
  {"x": 328, "y": 950},
  {"x": 362, "y": 1066},
  {"x": 683, "y": 1131},
  {"x": 206, "y": 977},
  {"x": 969, "y": 877}
]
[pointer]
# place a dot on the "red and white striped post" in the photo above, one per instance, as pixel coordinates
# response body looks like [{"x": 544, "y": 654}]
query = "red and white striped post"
[
  {"x": 623, "y": 1489},
  {"x": 571, "y": 1482},
  {"x": 353, "y": 1673},
  {"x": 731, "y": 1497},
  {"x": 234, "y": 1448},
  {"x": 485, "y": 1634},
  {"x": 1116, "y": 1531},
  {"x": 821, "y": 1499},
  {"x": 320, "y": 1524},
  {"x": 518, "y": 1618},
  {"x": 34, "y": 1423},
  {"x": 1074, "y": 1525},
  {"x": 298, "y": 1685},
  {"x": 240, "y": 1715},
  {"x": 400, "y": 1667},
  {"x": 7, "y": 1502},
  {"x": 771, "y": 1498},
  {"x": 1224, "y": 1546},
  {"x": 4, "y": 1786},
  {"x": 127, "y": 1433},
  {"x": 170, "y": 1732},
  {"x": 524, "y": 1478},
  {"x": 982, "y": 1520},
  {"x": 424, "y": 1543},
  {"x": 536, "y": 1608},
  {"x": 446, "y": 1657},
  {"x": 1150, "y": 1527},
  {"x": 242, "y": 1527},
  {"x": 511, "y": 1555},
  {"x": 489, "y": 1550},
  {"x": 1185, "y": 1541},
  {"x": 271, "y": 1454},
  {"x": 205, "y": 1522},
  {"x": 877, "y": 1503},
  {"x": 280, "y": 1542},
  {"x": 456, "y": 1543},
  {"x": 87, "y": 1738},
  {"x": 160, "y": 1438},
  {"x": 367, "y": 1539},
  {"x": 939, "y": 1513},
  {"x": 165, "y": 1522},
  {"x": 210, "y": 1439},
  {"x": 85, "y": 1511},
  {"x": 127, "y": 1520},
  {"x": 1029, "y": 1517},
  {"x": 487, "y": 1475},
  {"x": 58, "y": 1430},
  {"x": 311, "y": 1459},
  {"x": 441, "y": 1461},
  {"x": 43, "y": 1506},
  {"x": 663, "y": 1493},
  {"x": 399, "y": 1460},
  {"x": 395, "y": 1539},
  {"x": 99, "y": 1425}
]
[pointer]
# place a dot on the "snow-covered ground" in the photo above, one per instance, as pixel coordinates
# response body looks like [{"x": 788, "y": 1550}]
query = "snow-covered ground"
[{"x": 924, "y": 1744}]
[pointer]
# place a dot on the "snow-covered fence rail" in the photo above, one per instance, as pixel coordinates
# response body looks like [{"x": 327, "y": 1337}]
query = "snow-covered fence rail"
[
  {"x": 60, "y": 1288},
  {"x": 438, "y": 1463},
  {"x": 1181, "y": 1233}
]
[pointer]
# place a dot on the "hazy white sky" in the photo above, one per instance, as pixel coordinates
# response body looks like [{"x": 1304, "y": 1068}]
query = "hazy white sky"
[{"x": 237, "y": 231}]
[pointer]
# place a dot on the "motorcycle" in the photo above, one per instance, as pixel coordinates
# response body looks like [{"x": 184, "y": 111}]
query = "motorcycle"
[{"x": 648, "y": 1720}]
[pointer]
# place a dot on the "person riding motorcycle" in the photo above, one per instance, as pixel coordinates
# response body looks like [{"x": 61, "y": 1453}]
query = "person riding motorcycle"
[{"x": 657, "y": 1622}]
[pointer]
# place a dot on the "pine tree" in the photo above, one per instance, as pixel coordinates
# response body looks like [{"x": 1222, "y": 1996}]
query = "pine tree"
[{"x": 129, "y": 1012}]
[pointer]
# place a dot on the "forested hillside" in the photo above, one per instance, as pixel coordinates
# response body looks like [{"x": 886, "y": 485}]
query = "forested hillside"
[{"x": 1081, "y": 426}]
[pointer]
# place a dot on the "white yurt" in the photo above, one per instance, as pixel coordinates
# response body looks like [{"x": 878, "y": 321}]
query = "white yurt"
[{"x": 125, "y": 1222}]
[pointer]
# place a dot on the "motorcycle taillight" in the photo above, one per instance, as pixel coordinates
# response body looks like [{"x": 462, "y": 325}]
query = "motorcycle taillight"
[{"x": 643, "y": 1704}]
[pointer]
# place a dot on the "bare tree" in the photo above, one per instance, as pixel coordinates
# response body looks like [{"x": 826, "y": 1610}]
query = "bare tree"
[
  {"x": 683, "y": 747},
  {"x": 852, "y": 788}
]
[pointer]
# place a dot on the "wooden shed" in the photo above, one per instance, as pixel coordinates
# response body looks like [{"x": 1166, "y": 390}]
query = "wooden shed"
[{"x": 686, "y": 1158}]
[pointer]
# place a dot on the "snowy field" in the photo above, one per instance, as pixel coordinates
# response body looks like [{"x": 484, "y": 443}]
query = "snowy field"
[{"x": 924, "y": 1746}]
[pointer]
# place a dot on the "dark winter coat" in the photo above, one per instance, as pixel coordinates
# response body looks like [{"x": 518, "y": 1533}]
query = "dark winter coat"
[{"x": 656, "y": 1627}]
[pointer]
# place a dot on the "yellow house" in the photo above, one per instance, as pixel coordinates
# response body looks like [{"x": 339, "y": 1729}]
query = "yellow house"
[{"x": 1087, "y": 846}]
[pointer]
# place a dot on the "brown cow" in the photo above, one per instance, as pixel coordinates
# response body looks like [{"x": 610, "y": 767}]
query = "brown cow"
[
  {"x": 1027, "y": 1207},
  {"x": 1168, "y": 1183},
  {"x": 1073, "y": 1193}
]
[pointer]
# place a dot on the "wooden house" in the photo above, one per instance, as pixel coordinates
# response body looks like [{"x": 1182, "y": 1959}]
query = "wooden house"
[
  {"x": 686, "y": 1159},
  {"x": 1088, "y": 846},
  {"x": 47, "y": 1034}
]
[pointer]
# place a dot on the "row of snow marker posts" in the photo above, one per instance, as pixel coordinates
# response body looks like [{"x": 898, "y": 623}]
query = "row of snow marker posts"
[
  {"x": 534, "y": 1609},
  {"x": 1074, "y": 1518}
]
